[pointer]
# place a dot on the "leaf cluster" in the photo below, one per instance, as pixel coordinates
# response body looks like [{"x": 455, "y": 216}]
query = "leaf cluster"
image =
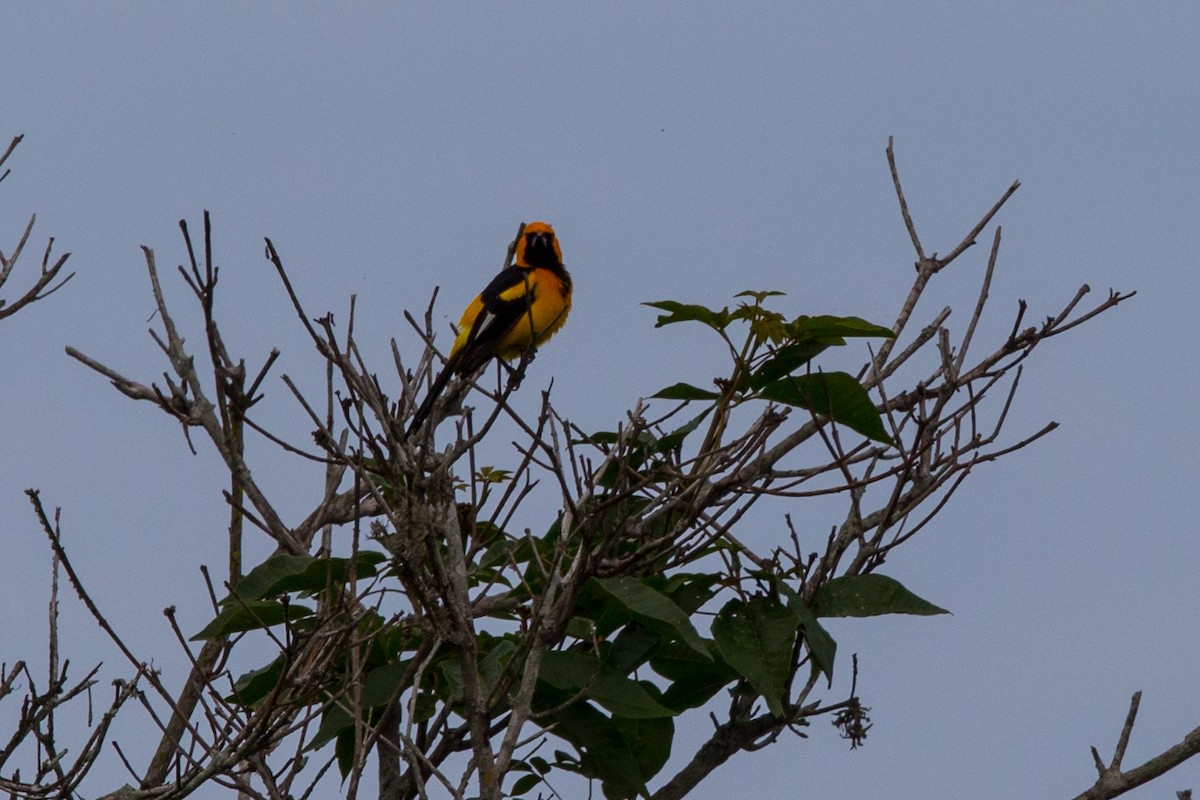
[
  {"x": 774, "y": 362},
  {"x": 632, "y": 660}
]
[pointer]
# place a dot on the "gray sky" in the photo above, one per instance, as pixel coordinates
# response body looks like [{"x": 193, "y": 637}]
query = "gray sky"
[{"x": 685, "y": 151}]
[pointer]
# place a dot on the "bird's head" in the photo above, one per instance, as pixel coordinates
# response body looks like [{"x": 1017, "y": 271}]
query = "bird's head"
[{"x": 538, "y": 247}]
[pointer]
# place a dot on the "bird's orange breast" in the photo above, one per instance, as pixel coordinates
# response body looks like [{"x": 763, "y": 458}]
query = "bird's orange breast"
[{"x": 549, "y": 305}]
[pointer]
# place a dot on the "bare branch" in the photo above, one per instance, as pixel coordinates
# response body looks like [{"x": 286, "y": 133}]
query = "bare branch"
[{"x": 1114, "y": 781}]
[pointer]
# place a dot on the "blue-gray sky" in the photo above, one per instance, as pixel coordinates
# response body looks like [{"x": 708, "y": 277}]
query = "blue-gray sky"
[{"x": 682, "y": 150}]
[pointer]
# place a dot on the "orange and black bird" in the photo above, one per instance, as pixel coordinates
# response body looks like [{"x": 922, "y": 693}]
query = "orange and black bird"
[{"x": 520, "y": 309}]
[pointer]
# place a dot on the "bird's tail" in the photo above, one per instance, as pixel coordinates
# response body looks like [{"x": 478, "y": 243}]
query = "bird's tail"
[{"x": 435, "y": 391}]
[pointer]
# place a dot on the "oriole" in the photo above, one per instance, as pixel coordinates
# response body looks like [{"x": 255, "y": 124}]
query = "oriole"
[{"x": 520, "y": 309}]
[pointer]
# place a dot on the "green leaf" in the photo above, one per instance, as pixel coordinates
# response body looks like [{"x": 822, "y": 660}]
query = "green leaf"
[
  {"x": 684, "y": 391},
  {"x": 821, "y": 645},
  {"x": 693, "y": 682},
  {"x": 649, "y": 740},
  {"x": 499, "y": 552},
  {"x": 599, "y": 438},
  {"x": 785, "y": 361},
  {"x": 524, "y": 784},
  {"x": 493, "y": 665},
  {"x": 835, "y": 395},
  {"x": 605, "y": 754},
  {"x": 826, "y": 327},
  {"x": 631, "y": 647},
  {"x": 869, "y": 596},
  {"x": 382, "y": 684},
  {"x": 758, "y": 297},
  {"x": 334, "y": 721},
  {"x": 577, "y": 672},
  {"x": 286, "y": 573},
  {"x": 256, "y": 684},
  {"x": 451, "y": 685},
  {"x": 697, "y": 688},
  {"x": 675, "y": 438},
  {"x": 493, "y": 475},
  {"x": 766, "y": 326},
  {"x": 581, "y": 628},
  {"x": 260, "y": 580},
  {"x": 344, "y": 750},
  {"x": 684, "y": 312},
  {"x": 255, "y": 615},
  {"x": 689, "y": 590},
  {"x": 654, "y": 610},
  {"x": 756, "y": 638},
  {"x": 487, "y": 533},
  {"x": 425, "y": 707}
]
